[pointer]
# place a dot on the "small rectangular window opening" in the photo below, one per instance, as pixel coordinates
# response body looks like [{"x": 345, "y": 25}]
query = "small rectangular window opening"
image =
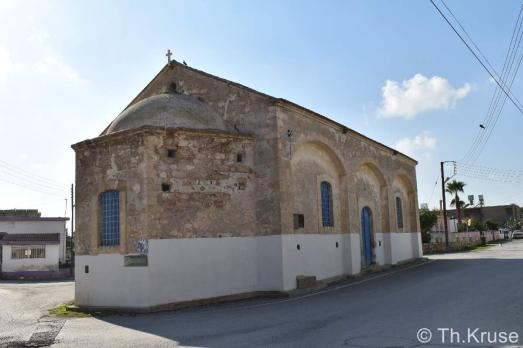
[
  {"x": 166, "y": 187},
  {"x": 171, "y": 153},
  {"x": 399, "y": 213},
  {"x": 28, "y": 252},
  {"x": 239, "y": 158},
  {"x": 299, "y": 221}
]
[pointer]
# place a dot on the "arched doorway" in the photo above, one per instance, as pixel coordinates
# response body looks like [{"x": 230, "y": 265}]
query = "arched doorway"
[{"x": 366, "y": 236}]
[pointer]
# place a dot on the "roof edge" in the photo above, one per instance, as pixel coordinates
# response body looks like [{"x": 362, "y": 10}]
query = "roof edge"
[
  {"x": 278, "y": 101},
  {"x": 32, "y": 218},
  {"x": 288, "y": 104},
  {"x": 156, "y": 129}
]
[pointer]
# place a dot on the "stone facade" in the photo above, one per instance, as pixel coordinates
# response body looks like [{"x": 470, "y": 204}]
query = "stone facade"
[
  {"x": 199, "y": 159},
  {"x": 199, "y": 192}
]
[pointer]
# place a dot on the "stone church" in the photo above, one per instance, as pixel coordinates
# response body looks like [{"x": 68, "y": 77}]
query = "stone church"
[{"x": 204, "y": 189}]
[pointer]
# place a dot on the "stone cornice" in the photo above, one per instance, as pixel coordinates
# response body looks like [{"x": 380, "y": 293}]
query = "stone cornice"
[{"x": 150, "y": 130}]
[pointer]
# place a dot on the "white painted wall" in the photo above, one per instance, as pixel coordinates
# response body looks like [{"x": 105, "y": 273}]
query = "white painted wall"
[
  {"x": 181, "y": 270},
  {"x": 379, "y": 250},
  {"x": 187, "y": 269},
  {"x": 109, "y": 283},
  {"x": 49, "y": 263},
  {"x": 197, "y": 268},
  {"x": 355, "y": 253},
  {"x": 318, "y": 256},
  {"x": 405, "y": 246},
  {"x": 23, "y": 227}
]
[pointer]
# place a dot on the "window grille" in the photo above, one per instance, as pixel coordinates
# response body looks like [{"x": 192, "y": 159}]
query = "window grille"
[
  {"x": 110, "y": 218},
  {"x": 28, "y": 252},
  {"x": 326, "y": 204},
  {"x": 399, "y": 212}
]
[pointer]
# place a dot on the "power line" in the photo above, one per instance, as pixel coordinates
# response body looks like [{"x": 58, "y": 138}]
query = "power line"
[
  {"x": 481, "y": 138},
  {"x": 22, "y": 178},
  {"x": 24, "y": 173},
  {"x": 33, "y": 188},
  {"x": 512, "y": 99},
  {"x": 468, "y": 36},
  {"x": 9, "y": 176},
  {"x": 500, "y": 100},
  {"x": 481, "y": 147},
  {"x": 489, "y": 173},
  {"x": 488, "y": 116},
  {"x": 433, "y": 190}
]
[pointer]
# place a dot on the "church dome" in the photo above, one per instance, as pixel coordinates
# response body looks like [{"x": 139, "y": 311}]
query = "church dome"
[{"x": 168, "y": 110}]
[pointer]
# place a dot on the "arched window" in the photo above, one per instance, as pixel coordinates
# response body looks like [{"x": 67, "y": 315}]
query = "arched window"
[
  {"x": 399, "y": 213},
  {"x": 110, "y": 218},
  {"x": 326, "y": 204}
]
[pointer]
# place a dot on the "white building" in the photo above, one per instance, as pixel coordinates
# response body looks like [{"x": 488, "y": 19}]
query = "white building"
[{"x": 31, "y": 246}]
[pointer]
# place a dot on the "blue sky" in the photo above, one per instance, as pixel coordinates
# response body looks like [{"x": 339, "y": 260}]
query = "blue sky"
[{"x": 68, "y": 68}]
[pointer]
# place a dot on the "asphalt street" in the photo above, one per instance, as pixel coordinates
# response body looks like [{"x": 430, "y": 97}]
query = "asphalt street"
[{"x": 461, "y": 292}]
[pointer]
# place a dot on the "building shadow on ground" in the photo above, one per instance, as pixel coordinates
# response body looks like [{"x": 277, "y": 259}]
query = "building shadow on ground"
[{"x": 458, "y": 293}]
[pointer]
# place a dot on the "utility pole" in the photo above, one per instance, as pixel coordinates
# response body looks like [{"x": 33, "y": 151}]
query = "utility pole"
[
  {"x": 72, "y": 226},
  {"x": 444, "y": 206}
]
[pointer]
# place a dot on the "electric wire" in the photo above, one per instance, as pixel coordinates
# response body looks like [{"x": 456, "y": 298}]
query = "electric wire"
[
  {"x": 489, "y": 173},
  {"x": 488, "y": 117},
  {"x": 433, "y": 190},
  {"x": 498, "y": 99},
  {"x": 497, "y": 102},
  {"x": 24, "y": 173},
  {"x": 514, "y": 100},
  {"x": 22, "y": 178}
]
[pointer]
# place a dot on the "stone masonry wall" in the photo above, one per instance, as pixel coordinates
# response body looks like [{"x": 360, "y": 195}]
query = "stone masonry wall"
[
  {"x": 202, "y": 191},
  {"x": 244, "y": 111},
  {"x": 362, "y": 172}
]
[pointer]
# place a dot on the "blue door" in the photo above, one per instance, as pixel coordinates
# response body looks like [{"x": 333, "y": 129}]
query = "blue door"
[{"x": 366, "y": 225}]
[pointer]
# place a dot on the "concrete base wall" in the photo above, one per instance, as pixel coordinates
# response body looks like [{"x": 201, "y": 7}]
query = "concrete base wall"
[
  {"x": 181, "y": 270},
  {"x": 65, "y": 273}
]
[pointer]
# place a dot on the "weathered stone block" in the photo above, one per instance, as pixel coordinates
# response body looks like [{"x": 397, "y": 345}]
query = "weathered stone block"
[
  {"x": 135, "y": 261},
  {"x": 304, "y": 282}
]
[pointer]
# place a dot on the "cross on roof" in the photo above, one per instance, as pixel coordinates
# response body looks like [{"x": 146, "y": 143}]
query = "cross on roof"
[{"x": 168, "y": 55}]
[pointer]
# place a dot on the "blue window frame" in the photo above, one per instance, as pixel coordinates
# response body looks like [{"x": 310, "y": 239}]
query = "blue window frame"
[
  {"x": 326, "y": 204},
  {"x": 399, "y": 213},
  {"x": 110, "y": 218}
]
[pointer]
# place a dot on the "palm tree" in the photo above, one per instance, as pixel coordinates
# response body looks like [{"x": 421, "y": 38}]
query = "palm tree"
[
  {"x": 461, "y": 204},
  {"x": 454, "y": 187}
]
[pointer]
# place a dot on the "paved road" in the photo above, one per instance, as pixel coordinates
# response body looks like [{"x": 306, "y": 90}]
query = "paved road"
[
  {"x": 470, "y": 290},
  {"x": 22, "y": 304}
]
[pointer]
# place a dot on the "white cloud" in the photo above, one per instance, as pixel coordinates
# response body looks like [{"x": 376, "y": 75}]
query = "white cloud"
[
  {"x": 419, "y": 94},
  {"x": 419, "y": 145}
]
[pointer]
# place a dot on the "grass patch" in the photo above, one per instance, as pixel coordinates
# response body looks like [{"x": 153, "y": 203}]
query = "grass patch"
[{"x": 63, "y": 311}]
